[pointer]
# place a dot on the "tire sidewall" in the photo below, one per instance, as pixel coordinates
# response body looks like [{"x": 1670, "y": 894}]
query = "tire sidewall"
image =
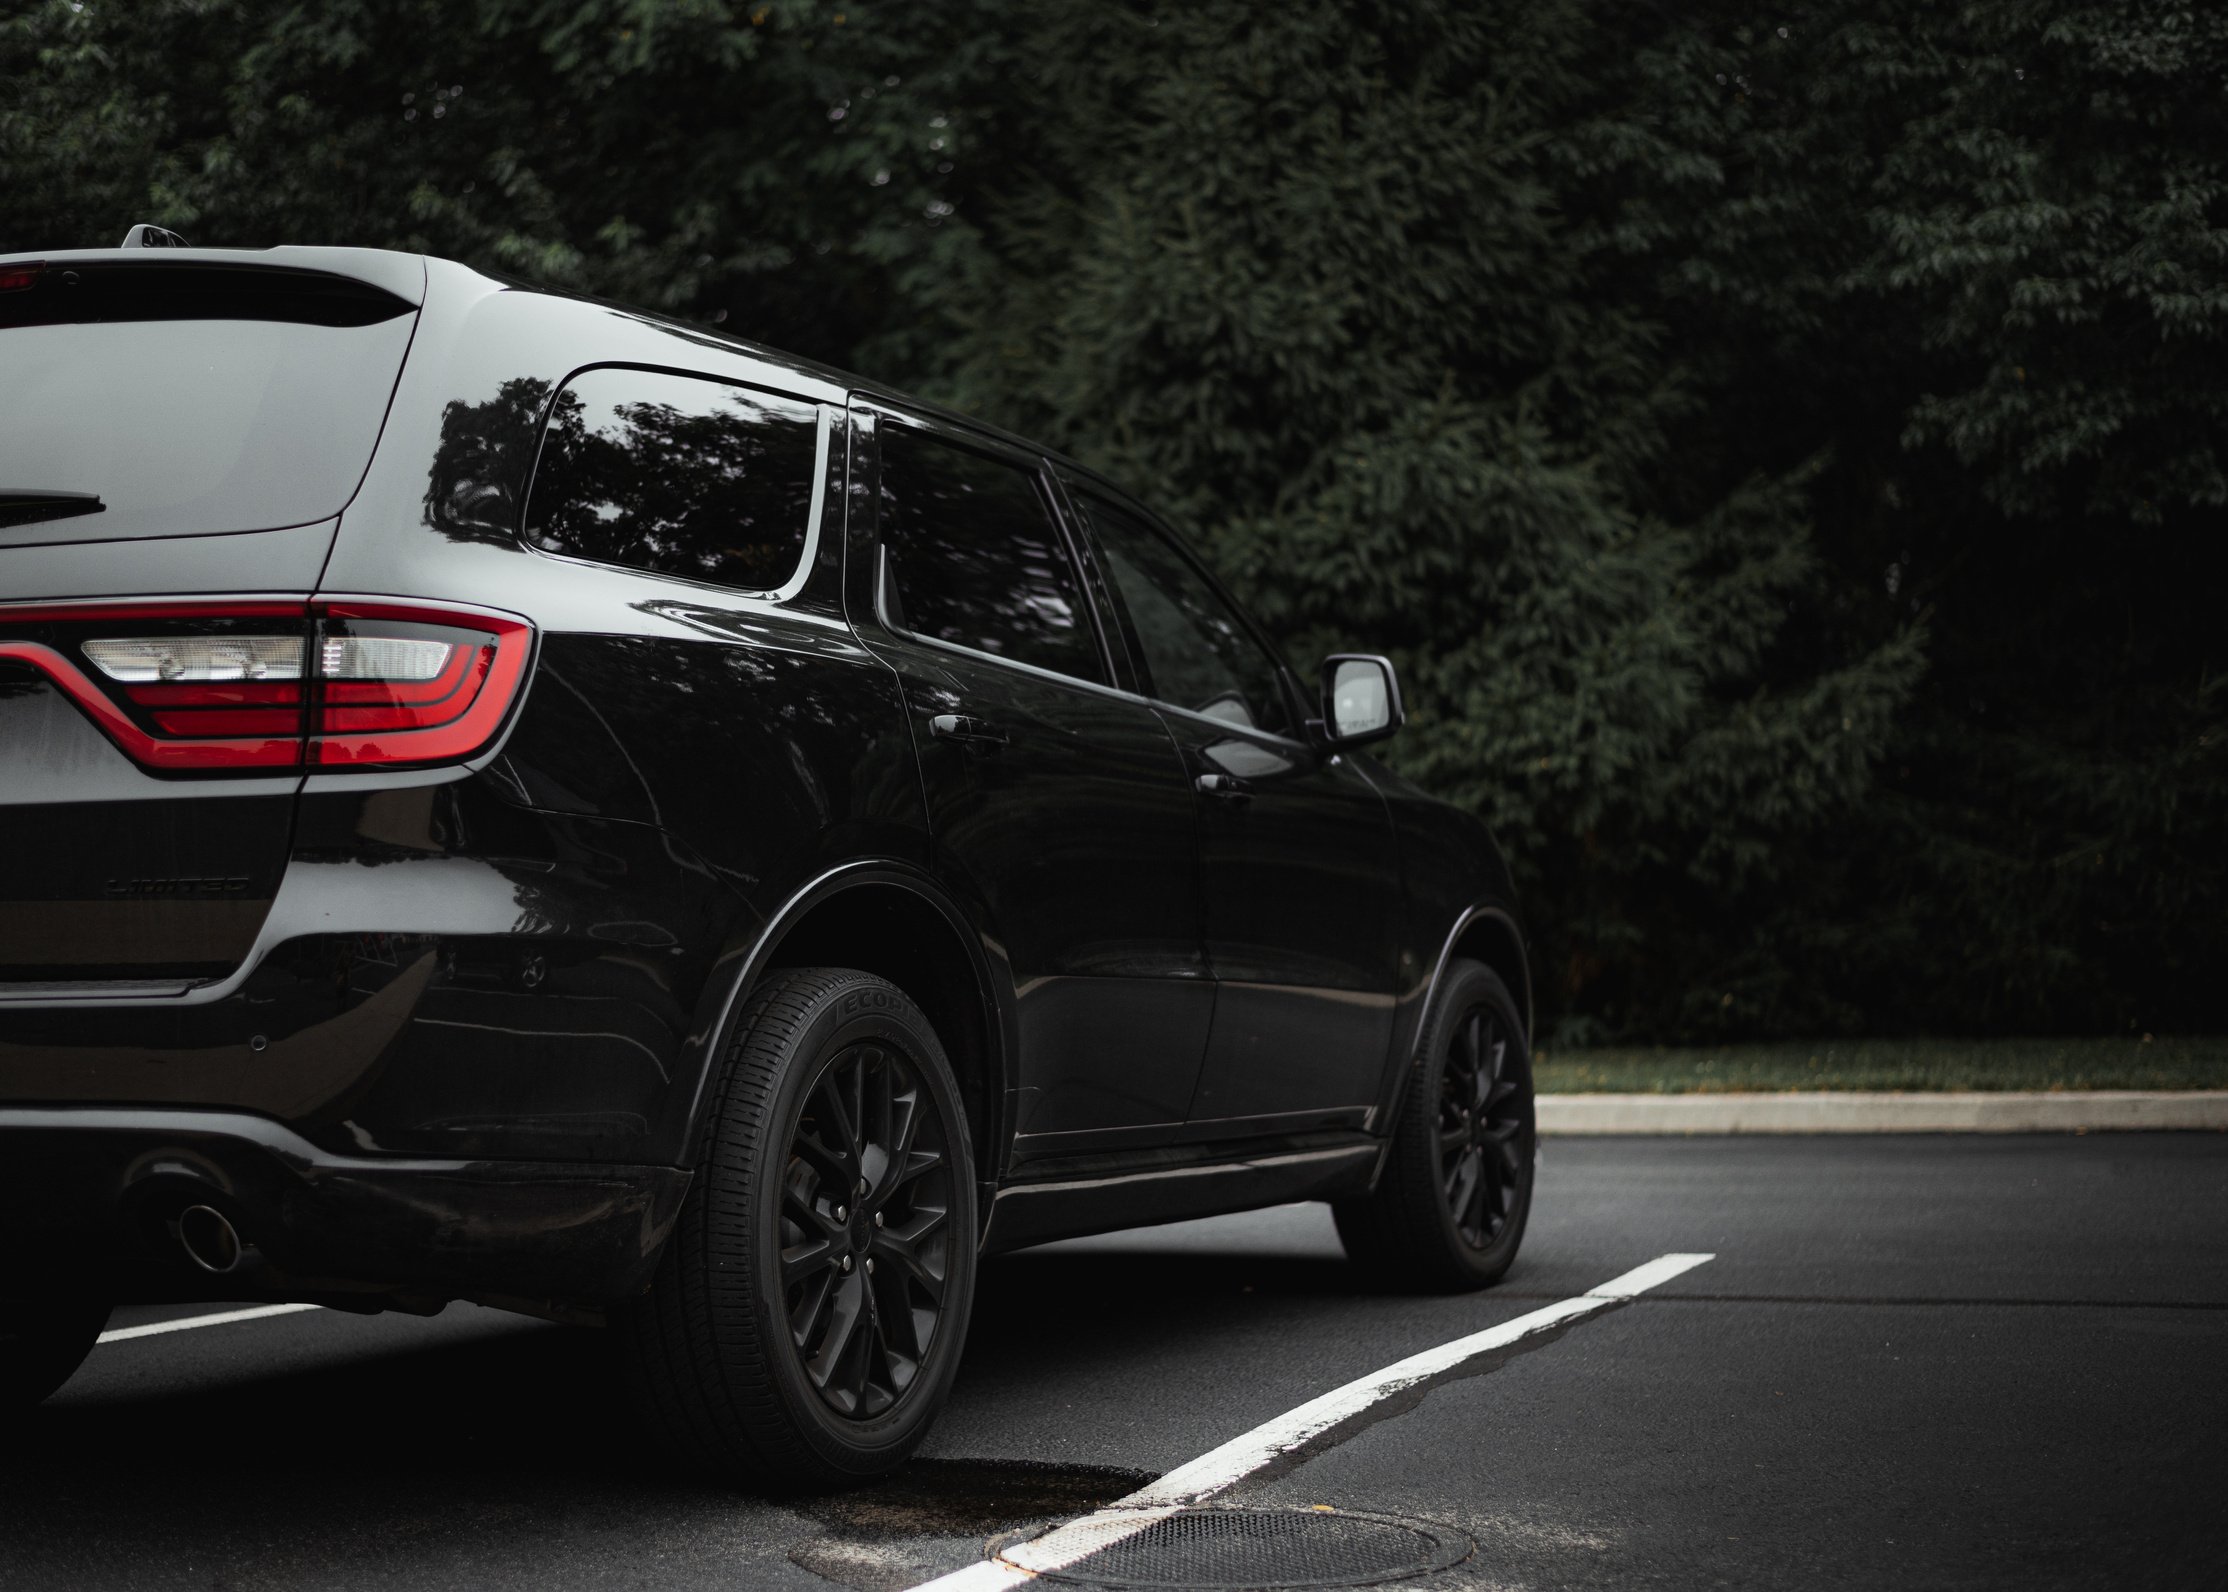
[{"x": 860, "y": 1008}]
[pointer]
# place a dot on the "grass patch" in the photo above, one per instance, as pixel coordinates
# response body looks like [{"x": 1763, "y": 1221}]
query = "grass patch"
[{"x": 2160, "y": 1063}]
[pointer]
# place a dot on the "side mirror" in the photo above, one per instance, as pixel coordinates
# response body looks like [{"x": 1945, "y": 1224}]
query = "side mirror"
[{"x": 1361, "y": 698}]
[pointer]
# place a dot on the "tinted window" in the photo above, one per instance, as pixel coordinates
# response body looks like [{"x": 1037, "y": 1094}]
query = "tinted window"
[
  {"x": 975, "y": 559},
  {"x": 679, "y": 475},
  {"x": 1198, "y": 654},
  {"x": 189, "y": 400}
]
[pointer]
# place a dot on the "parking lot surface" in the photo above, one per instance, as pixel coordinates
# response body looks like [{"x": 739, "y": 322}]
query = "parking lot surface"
[{"x": 1938, "y": 1361}]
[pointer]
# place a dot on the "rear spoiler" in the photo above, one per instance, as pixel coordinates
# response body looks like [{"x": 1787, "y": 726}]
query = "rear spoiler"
[{"x": 401, "y": 276}]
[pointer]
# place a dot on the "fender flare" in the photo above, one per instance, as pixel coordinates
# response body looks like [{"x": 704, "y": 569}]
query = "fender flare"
[
  {"x": 740, "y": 969},
  {"x": 1405, "y": 1069}
]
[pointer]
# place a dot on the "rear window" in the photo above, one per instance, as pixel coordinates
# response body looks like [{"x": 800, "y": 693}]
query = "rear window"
[
  {"x": 183, "y": 400},
  {"x": 677, "y": 475}
]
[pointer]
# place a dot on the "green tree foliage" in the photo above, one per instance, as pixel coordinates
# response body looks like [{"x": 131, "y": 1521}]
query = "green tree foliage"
[{"x": 1780, "y": 451}]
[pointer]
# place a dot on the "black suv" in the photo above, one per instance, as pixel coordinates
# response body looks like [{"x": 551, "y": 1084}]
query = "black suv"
[{"x": 505, "y": 797}]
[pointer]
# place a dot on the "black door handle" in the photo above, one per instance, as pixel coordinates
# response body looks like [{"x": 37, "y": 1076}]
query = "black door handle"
[
  {"x": 1224, "y": 787},
  {"x": 966, "y": 728}
]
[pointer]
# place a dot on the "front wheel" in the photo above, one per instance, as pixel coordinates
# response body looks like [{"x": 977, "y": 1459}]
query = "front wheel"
[
  {"x": 43, "y": 1340},
  {"x": 1449, "y": 1211},
  {"x": 808, "y": 1312}
]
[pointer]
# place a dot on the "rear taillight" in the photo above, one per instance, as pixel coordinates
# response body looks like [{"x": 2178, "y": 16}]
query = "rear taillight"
[
  {"x": 401, "y": 684},
  {"x": 337, "y": 683}
]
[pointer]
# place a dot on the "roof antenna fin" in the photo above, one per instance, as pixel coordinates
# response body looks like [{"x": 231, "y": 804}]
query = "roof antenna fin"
[{"x": 149, "y": 236}]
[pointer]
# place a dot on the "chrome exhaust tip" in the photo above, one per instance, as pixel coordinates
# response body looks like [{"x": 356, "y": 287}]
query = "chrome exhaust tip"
[{"x": 209, "y": 1239}]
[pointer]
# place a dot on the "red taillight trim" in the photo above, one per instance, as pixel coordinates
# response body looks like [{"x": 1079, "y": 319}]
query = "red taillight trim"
[
  {"x": 257, "y": 752},
  {"x": 16, "y": 278},
  {"x": 347, "y": 725},
  {"x": 163, "y": 695}
]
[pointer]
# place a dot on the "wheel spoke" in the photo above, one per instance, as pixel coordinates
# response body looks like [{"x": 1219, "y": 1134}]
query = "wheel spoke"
[
  {"x": 855, "y": 1106},
  {"x": 1474, "y": 1210},
  {"x": 904, "y": 1249},
  {"x": 833, "y": 1367},
  {"x": 903, "y": 1341},
  {"x": 806, "y": 1318},
  {"x": 841, "y": 1125},
  {"x": 828, "y": 1163},
  {"x": 906, "y": 1127},
  {"x": 799, "y": 1261},
  {"x": 1463, "y": 1183},
  {"x": 801, "y": 1211},
  {"x": 917, "y": 1163}
]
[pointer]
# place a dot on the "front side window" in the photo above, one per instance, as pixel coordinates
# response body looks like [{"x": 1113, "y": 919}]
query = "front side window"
[
  {"x": 975, "y": 560},
  {"x": 1199, "y": 655},
  {"x": 677, "y": 475}
]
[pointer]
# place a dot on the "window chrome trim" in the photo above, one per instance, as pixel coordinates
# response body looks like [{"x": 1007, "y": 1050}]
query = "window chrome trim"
[{"x": 1119, "y": 693}]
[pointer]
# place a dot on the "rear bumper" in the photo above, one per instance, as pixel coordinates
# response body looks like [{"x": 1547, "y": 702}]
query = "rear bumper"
[{"x": 92, "y": 1191}]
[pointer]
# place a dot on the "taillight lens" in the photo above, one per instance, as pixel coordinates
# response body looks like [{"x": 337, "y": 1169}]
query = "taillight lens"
[
  {"x": 332, "y": 683},
  {"x": 401, "y": 684}
]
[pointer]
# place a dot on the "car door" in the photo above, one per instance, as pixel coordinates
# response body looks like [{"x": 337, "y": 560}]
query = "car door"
[
  {"x": 1298, "y": 877},
  {"x": 1057, "y": 804}
]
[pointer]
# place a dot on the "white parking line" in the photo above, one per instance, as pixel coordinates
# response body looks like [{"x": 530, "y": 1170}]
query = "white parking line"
[
  {"x": 1220, "y": 1468},
  {"x": 220, "y": 1318}
]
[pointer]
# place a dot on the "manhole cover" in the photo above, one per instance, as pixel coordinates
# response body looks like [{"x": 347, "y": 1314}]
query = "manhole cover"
[{"x": 1254, "y": 1549}]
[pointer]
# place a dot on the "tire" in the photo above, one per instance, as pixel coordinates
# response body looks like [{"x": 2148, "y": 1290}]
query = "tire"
[
  {"x": 1449, "y": 1210},
  {"x": 832, "y": 1377},
  {"x": 43, "y": 1340}
]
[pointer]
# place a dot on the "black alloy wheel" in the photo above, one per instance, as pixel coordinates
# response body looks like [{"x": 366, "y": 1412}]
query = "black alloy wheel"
[
  {"x": 810, "y": 1306},
  {"x": 1485, "y": 1127},
  {"x": 865, "y": 1229},
  {"x": 1449, "y": 1209}
]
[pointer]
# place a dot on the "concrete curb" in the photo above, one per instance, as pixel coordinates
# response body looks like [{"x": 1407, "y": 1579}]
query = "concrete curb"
[{"x": 2092, "y": 1111}]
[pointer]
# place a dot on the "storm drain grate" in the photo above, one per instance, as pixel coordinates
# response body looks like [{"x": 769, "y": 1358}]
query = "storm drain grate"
[{"x": 1255, "y": 1549}]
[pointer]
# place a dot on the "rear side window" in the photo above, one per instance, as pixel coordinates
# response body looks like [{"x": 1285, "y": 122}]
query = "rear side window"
[
  {"x": 182, "y": 400},
  {"x": 677, "y": 475},
  {"x": 1199, "y": 654},
  {"x": 975, "y": 559}
]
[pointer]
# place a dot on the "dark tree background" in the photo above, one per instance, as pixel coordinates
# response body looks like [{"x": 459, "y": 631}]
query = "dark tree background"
[{"x": 1784, "y": 449}]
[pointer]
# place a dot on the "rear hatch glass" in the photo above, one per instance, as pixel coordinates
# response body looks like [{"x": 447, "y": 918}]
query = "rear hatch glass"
[{"x": 184, "y": 399}]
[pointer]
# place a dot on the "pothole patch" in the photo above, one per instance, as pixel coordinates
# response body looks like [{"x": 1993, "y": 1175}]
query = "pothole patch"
[
  {"x": 968, "y": 1498},
  {"x": 899, "y": 1531},
  {"x": 1257, "y": 1549}
]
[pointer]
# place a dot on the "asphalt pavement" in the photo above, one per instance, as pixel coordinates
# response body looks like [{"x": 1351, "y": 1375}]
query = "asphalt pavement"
[{"x": 1914, "y": 1362}]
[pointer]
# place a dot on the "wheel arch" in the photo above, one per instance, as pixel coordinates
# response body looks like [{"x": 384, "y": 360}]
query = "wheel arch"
[
  {"x": 893, "y": 921},
  {"x": 1490, "y": 935},
  {"x": 1485, "y": 933}
]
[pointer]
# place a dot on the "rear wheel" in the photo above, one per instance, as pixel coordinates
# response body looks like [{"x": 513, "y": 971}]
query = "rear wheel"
[
  {"x": 43, "y": 1340},
  {"x": 1450, "y": 1209},
  {"x": 808, "y": 1313}
]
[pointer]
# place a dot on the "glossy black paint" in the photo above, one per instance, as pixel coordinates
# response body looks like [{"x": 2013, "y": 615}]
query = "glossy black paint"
[
  {"x": 1046, "y": 781},
  {"x": 451, "y": 1031}
]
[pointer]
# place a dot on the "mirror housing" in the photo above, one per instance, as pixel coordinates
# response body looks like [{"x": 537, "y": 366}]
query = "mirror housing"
[{"x": 1361, "y": 698}]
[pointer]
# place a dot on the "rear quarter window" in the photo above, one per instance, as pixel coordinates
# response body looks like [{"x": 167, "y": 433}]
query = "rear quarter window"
[{"x": 677, "y": 475}]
